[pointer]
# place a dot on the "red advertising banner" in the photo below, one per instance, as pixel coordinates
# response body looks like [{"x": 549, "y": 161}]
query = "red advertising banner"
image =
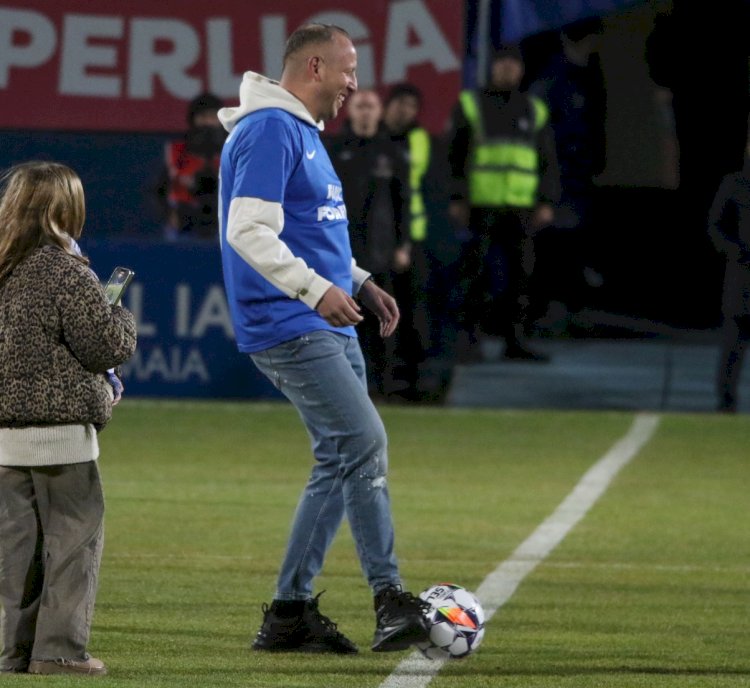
[{"x": 133, "y": 66}]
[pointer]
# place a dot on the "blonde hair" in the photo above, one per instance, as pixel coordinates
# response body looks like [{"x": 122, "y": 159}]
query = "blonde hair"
[{"x": 41, "y": 203}]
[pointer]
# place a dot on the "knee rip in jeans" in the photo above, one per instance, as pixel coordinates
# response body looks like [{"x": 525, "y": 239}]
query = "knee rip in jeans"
[{"x": 375, "y": 471}]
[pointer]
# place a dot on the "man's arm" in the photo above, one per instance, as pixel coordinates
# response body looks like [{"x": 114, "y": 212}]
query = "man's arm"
[{"x": 253, "y": 229}]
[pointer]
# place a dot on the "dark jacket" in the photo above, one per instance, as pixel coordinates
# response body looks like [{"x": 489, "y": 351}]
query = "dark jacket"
[
  {"x": 58, "y": 335},
  {"x": 502, "y": 115},
  {"x": 375, "y": 180},
  {"x": 576, "y": 97},
  {"x": 729, "y": 229}
]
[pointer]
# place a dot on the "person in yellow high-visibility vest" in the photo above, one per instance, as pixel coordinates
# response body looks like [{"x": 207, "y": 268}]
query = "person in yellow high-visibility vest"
[{"x": 506, "y": 182}]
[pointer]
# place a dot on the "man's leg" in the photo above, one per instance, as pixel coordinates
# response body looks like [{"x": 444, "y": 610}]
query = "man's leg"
[
  {"x": 322, "y": 373},
  {"x": 349, "y": 445}
]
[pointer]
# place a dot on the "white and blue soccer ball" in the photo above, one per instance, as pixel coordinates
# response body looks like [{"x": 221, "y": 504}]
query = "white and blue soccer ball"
[{"x": 456, "y": 622}]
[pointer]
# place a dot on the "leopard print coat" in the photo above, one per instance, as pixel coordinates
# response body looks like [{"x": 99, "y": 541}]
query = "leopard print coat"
[{"x": 58, "y": 335}]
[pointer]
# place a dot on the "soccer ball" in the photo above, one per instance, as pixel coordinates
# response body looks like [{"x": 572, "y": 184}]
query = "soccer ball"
[{"x": 456, "y": 622}]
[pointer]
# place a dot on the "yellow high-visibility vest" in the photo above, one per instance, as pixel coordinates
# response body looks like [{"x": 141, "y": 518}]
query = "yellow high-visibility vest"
[
  {"x": 419, "y": 160},
  {"x": 503, "y": 172}
]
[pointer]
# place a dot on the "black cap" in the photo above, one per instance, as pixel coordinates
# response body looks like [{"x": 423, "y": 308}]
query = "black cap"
[{"x": 201, "y": 103}]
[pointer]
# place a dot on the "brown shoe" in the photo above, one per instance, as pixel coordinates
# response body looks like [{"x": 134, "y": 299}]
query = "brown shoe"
[{"x": 89, "y": 666}]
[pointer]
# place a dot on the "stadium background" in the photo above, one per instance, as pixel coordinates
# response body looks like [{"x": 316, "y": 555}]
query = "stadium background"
[{"x": 104, "y": 90}]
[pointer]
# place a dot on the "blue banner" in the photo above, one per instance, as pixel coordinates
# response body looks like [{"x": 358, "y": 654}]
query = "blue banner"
[
  {"x": 521, "y": 18},
  {"x": 186, "y": 345}
]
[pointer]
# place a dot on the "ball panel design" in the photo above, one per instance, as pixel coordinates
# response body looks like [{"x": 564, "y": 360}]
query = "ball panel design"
[{"x": 456, "y": 620}]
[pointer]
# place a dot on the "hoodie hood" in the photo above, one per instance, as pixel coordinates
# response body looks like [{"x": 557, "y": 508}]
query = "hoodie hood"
[{"x": 258, "y": 92}]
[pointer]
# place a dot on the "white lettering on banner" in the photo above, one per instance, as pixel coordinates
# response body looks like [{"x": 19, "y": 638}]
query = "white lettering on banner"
[
  {"x": 42, "y": 41},
  {"x": 405, "y": 18},
  {"x": 220, "y": 74},
  {"x": 171, "y": 366},
  {"x": 78, "y": 55},
  {"x": 146, "y": 63},
  {"x": 175, "y": 363},
  {"x": 213, "y": 311},
  {"x": 133, "y": 50},
  {"x": 182, "y": 295},
  {"x": 273, "y": 38}
]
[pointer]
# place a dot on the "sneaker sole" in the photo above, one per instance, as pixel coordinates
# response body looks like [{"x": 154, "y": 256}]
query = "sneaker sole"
[
  {"x": 50, "y": 669},
  {"x": 401, "y": 640}
]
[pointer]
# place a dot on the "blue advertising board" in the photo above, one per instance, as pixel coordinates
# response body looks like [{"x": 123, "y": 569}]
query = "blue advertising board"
[{"x": 186, "y": 346}]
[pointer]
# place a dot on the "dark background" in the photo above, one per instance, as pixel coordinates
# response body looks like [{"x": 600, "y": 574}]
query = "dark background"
[{"x": 651, "y": 211}]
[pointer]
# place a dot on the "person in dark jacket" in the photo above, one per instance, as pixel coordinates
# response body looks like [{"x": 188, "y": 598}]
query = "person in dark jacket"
[
  {"x": 376, "y": 195},
  {"x": 729, "y": 229},
  {"x": 58, "y": 338},
  {"x": 188, "y": 187},
  {"x": 506, "y": 183},
  {"x": 572, "y": 86},
  {"x": 416, "y": 147}
]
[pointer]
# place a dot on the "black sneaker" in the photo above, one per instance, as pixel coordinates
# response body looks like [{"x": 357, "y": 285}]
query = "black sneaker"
[
  {"x": 400, "y": 620},
  {"x": 305, "y": 631}
]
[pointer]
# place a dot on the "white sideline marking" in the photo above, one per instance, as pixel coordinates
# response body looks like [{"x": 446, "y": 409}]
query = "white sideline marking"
[{"x": 497, "y": 588}]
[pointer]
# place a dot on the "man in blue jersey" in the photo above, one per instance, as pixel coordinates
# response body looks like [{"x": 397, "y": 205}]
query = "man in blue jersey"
[{"x": 291, "y": 282}]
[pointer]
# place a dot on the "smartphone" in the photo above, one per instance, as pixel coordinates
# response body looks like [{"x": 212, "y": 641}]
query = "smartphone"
[{"x": 118, "y": 281}]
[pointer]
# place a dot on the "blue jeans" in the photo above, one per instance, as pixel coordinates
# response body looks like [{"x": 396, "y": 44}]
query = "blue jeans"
[{"x": 323, "y": 374}]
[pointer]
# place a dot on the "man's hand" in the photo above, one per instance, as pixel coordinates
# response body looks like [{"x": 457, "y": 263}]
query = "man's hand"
[
  {"x": 338, "y": 308},
  {"x": 543, "y": 216},
  {"x": 402, "y": 259},
  {"x": 382, "y": 304}
]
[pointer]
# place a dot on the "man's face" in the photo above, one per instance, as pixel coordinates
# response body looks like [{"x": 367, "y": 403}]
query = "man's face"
[
  {"x": 337, "y": 68},
  {"x": 364, "y": 112},
  {"x": 401, "y": 113},
  {"x": 506, "y": 73}
]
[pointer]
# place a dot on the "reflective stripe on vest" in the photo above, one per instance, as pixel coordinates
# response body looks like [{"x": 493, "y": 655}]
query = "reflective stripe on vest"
[
  {"x": 419, "y": 159},
  {"x": 503, "y": 171}
]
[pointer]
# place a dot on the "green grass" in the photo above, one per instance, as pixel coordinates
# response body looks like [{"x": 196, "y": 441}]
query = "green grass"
[{"x": 650, "y": 589}]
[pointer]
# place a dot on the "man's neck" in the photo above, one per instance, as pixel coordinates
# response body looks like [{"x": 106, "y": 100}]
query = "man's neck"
[{"x": 299, "y": 93}]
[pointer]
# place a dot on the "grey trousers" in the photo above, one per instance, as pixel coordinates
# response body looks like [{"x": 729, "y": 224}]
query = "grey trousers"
[{"x": 51, "y": 537}]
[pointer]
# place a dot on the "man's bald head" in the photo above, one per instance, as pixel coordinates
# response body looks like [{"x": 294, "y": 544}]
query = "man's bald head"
[
  {"x": 307, "y": 37},
  {"x": 320, "y": 65}
]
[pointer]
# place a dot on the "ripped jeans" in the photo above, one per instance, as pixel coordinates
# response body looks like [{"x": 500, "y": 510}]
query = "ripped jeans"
[{"x": 323, "y": 374}]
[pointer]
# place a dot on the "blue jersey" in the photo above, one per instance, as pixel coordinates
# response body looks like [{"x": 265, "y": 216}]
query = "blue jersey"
[{"x": 276, "y": 157}]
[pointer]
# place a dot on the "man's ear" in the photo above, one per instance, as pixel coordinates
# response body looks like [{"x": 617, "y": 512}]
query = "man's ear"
[{"x": 314, "y": 65}]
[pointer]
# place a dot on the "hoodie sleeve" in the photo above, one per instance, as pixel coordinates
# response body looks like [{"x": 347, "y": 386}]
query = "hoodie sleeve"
[{"x": 264, "y": 160}]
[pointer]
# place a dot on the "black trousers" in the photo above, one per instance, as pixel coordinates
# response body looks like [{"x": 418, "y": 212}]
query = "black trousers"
[
  {"x": 734, "y": 338},
  {"x": 495, "y": 273}
]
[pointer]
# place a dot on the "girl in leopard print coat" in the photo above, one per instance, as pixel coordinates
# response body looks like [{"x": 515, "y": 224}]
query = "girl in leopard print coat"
[{"x": 58, "y": 337}]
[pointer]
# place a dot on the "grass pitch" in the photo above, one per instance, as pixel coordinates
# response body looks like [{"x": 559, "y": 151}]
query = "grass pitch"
[{"x": 652, "y": 588}]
